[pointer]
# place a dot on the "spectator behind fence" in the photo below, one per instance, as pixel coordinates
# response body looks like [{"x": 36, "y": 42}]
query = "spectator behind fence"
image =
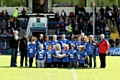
[
  {"x": 3, "y": 26},
  {"x": 117, "y": 42},
  {"x": 23, "y": 12},
  {"x": 2, "y": 14},
  {"x": 13, "y": 48},
  {"x": 112, "y": 42}
]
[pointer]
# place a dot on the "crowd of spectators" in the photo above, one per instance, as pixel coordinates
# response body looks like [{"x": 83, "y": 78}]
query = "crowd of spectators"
[{"x": 82, "y": 21}]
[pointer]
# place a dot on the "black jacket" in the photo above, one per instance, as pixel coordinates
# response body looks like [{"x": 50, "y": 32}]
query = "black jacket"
[
  {"x": 23, "y": 44},
  {"x": 13, "y": 43}
]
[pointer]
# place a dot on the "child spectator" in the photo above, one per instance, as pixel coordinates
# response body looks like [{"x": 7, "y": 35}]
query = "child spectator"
[
  {"x": 81, "y": 56},
  {"x": 41, "y": 57},
  {"x": 117, "y": 41},
  {"x": 31, "y": 49}
]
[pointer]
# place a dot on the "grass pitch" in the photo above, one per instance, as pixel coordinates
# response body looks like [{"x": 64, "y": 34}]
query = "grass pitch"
[{"x": 111, "y": 72}]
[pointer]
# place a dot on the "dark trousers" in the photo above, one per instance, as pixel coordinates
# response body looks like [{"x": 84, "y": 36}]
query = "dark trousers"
[
  {"x": 102, "y": 60},
  {"x": 81, "y": 65},
  {"x": 23, "y": 55},
  {"x": 42, "y": 8},
  {"x": 30, "y": 61},
  {"x": 65, "y": 64},
  {"x": 57, "y": 64},
  {"x": 49, "y": 65},
  {"x": 90, "y": 60},
  {"x": 13, "y": 57}
]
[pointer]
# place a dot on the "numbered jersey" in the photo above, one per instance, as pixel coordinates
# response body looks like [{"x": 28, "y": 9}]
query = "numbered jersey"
[
  {"x": 78, "y": 44},
  {"x": 46, "y": 44},
  {"x": 73, "y": 55},
  {"x": 65, "y": 53},
  {"x": 38, "y": 43},
  {"x": 81, "y": 55},
  {"x": 49, "y": 56},
  {"x": 41, "y": 54},
  {"x": 56, "y": 53},
  {"x": 54, "y": 43},
  {"x": 63, "y": 42},
  {"x": 72, "y": 42},
  {"x": 31, "y": 49}
]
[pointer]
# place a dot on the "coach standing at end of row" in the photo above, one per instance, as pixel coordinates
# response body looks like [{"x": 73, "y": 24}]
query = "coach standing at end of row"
[{"x": 103, "y": 47}]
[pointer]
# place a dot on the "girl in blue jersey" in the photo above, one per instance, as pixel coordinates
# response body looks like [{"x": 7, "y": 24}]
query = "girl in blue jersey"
[
  {"x": 54, "y": 42},
  {"x": 78, "y": 42},
  {"x": 49, "y": 53},
  {"x": 38, "y": 43},
  {"x": 90, "y": 49},
  {"x": 72, "y": 41},
  {"x": 56, "y": 56},
  {"x": 31, "y": 49},
  {"x": 63, "y": 41},
  {"x": 65, "y": 52},
  {"x": 46, "y": 43},
  {"x": 73, "y": 57},
  {"x": 82, "y": 55},
  {"x": 41, "y": 57}
]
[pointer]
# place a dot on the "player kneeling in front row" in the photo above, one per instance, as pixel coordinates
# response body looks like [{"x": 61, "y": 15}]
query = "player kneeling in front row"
[
  {"x": 41, "y": 57},
  {"x": 82, "y": 55}
]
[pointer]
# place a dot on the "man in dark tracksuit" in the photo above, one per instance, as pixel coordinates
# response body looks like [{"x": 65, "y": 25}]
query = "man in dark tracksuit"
[{"x": 23, "y": 50}]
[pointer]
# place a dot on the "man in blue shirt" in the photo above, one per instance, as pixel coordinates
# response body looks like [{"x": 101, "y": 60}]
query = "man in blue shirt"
[{"x": 47, "y": 42}]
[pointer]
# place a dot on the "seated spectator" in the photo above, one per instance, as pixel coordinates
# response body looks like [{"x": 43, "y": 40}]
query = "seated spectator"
[
  {"x": 107, "y": 29},
  {"x": 98, "y": 31},
  {"x": 85, "y": 28},
  {"x": 3, "y": 26},
  {"x": 76, "y": 28},
  {"x": 102, "y": 31},
  {"x": 117, "y": 42},
  {"x": 23, "y": 12},
  {"x": 112, "y": 42},
  {"x": 113, "y": 25},
  {"x": 9, "y": 32},
  {"x": 102, "y": 24},
  {"x": 70, "y": 27},
  {"x": 9, "y": 24}
]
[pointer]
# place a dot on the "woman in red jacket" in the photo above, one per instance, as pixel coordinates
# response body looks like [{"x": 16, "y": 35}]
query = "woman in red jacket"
[{"x": 103, "y": 47}]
